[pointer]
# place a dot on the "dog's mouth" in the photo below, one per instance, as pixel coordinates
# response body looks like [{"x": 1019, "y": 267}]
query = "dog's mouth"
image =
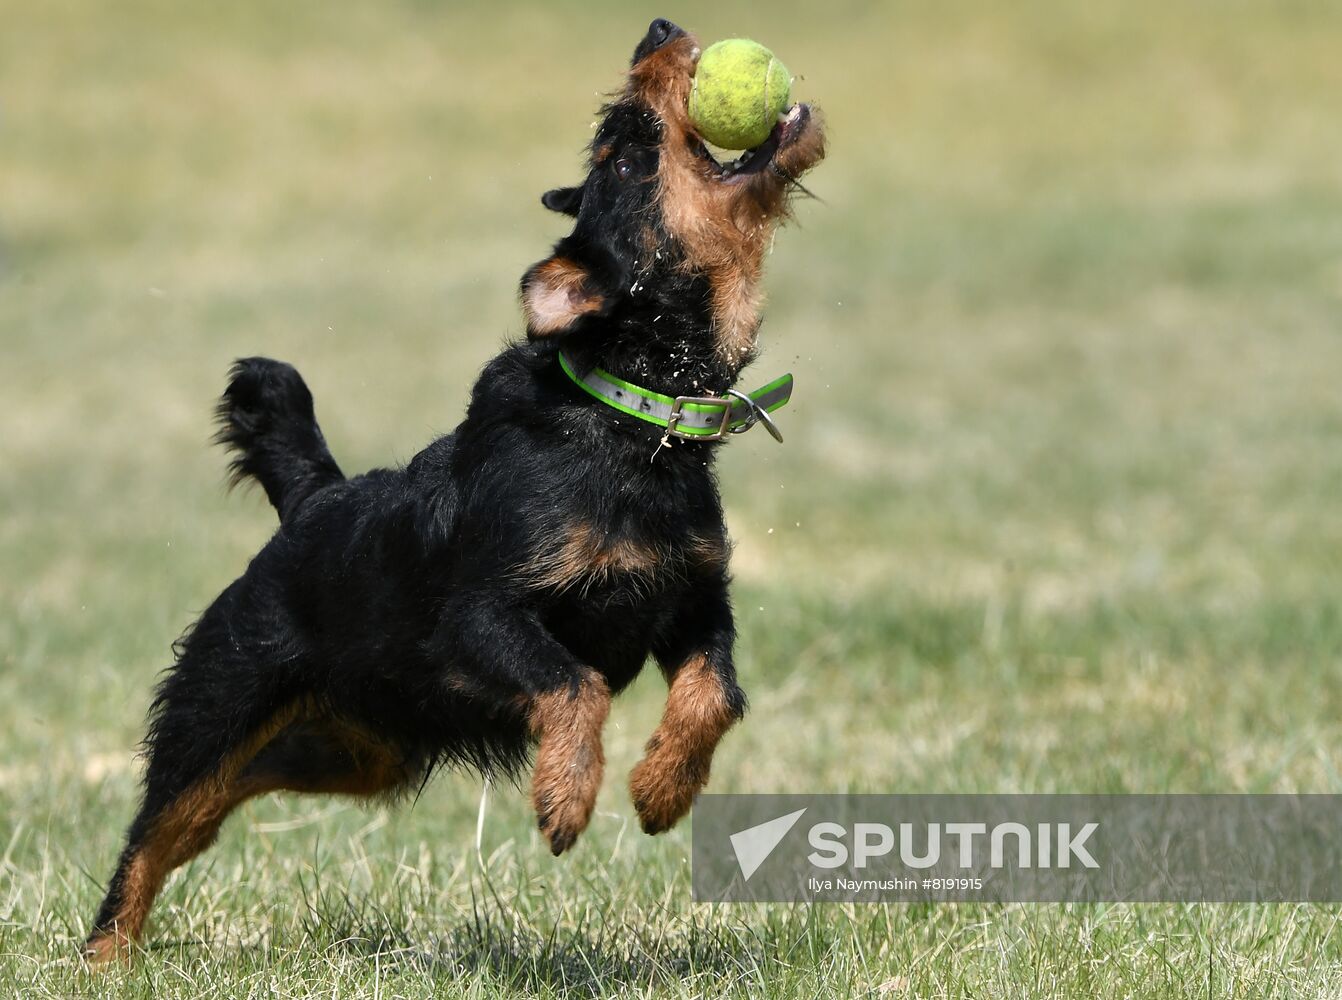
[{"x": 790, "y": 125}]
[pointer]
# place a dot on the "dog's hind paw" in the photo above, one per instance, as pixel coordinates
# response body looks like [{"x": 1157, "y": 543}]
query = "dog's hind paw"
[{"x": 104, "y": 949}]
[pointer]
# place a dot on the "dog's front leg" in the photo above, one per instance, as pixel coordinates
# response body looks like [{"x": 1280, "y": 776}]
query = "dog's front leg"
[
  {"x": 703, "y": 702},
  {"x": 567, "y": 722},
  {"x": 507, "y": 649}
]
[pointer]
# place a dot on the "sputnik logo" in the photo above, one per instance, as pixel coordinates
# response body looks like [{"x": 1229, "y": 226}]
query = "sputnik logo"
[{"x": 754, "y": 845}]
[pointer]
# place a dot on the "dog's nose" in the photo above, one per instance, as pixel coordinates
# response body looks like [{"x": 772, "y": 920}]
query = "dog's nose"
[{"x": 660, "y": 32}]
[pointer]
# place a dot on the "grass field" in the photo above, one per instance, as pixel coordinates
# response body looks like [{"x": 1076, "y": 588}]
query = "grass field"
[{"x": 1058, "y": 509}]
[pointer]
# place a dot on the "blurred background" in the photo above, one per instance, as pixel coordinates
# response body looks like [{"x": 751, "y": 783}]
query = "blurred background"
[{"x": 1057, "y": 509}]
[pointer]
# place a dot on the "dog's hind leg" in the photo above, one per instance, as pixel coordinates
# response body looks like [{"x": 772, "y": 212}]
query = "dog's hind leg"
[
  {"x": 190, "y": 788},
  {"x": 196, "y": 777}
]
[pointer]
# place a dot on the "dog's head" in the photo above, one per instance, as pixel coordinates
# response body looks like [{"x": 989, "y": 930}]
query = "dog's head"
[{"x": 665, "y": 236}]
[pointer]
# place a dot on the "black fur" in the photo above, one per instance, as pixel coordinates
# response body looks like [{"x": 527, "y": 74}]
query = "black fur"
[{"x": 415, "y": 604}]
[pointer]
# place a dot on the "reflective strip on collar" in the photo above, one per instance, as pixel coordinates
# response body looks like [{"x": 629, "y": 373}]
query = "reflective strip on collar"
[{"x": 696, "y": 416}]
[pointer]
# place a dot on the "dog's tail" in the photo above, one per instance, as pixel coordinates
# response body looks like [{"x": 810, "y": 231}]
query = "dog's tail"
[{"x": 266, "y": 420}]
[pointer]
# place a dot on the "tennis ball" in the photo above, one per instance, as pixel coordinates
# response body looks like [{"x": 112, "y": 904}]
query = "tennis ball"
[{"x": 739, "y": 90}]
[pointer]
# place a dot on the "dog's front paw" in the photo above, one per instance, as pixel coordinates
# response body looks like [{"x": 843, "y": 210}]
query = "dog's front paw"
[
  {"x": 663, "y": 786},
  {"x": 564, "y": 795},
  {"x": 569, "y": 760}
]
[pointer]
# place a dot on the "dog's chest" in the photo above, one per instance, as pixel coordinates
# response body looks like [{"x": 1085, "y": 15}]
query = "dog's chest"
[{"x": 585, "y": 556}]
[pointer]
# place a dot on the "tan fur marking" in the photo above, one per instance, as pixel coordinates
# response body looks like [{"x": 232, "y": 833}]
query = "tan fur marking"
[
  {"x": 555, "y": 294},
  {"x": 586, "y": 556},
  {"x": 648, "y": 237},
  {"x": 706, "y": 551},
  {"x": 724, "y": 237},
  {"x": 601, "y": 154},
  {"x": 676, "y": 761},
  {"x": 570, "y": 760}
]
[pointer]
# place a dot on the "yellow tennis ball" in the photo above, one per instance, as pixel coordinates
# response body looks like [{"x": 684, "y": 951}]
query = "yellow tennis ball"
[{"x": 739, "y": 90}]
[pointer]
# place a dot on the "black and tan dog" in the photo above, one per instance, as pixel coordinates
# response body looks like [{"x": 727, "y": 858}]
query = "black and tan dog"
[{"x": 495, "y": 593}]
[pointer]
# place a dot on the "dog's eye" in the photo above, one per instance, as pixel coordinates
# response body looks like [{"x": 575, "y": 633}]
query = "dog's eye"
[{"x": 624, "y": 169}]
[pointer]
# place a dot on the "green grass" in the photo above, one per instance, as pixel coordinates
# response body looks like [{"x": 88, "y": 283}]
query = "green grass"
[{"x": 1057, "y": 511}]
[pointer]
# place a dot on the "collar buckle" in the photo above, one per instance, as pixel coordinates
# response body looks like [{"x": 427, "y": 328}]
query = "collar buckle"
[{"x": 678, "y": 411}]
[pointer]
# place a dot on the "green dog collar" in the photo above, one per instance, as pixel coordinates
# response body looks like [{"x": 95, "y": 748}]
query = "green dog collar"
[{"x": 693, "y": 418}]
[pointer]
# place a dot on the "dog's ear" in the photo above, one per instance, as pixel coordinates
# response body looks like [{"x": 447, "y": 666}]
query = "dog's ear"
[
  {"x": 566, "y": 201},
  {"x": 556, "y": 293}
]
